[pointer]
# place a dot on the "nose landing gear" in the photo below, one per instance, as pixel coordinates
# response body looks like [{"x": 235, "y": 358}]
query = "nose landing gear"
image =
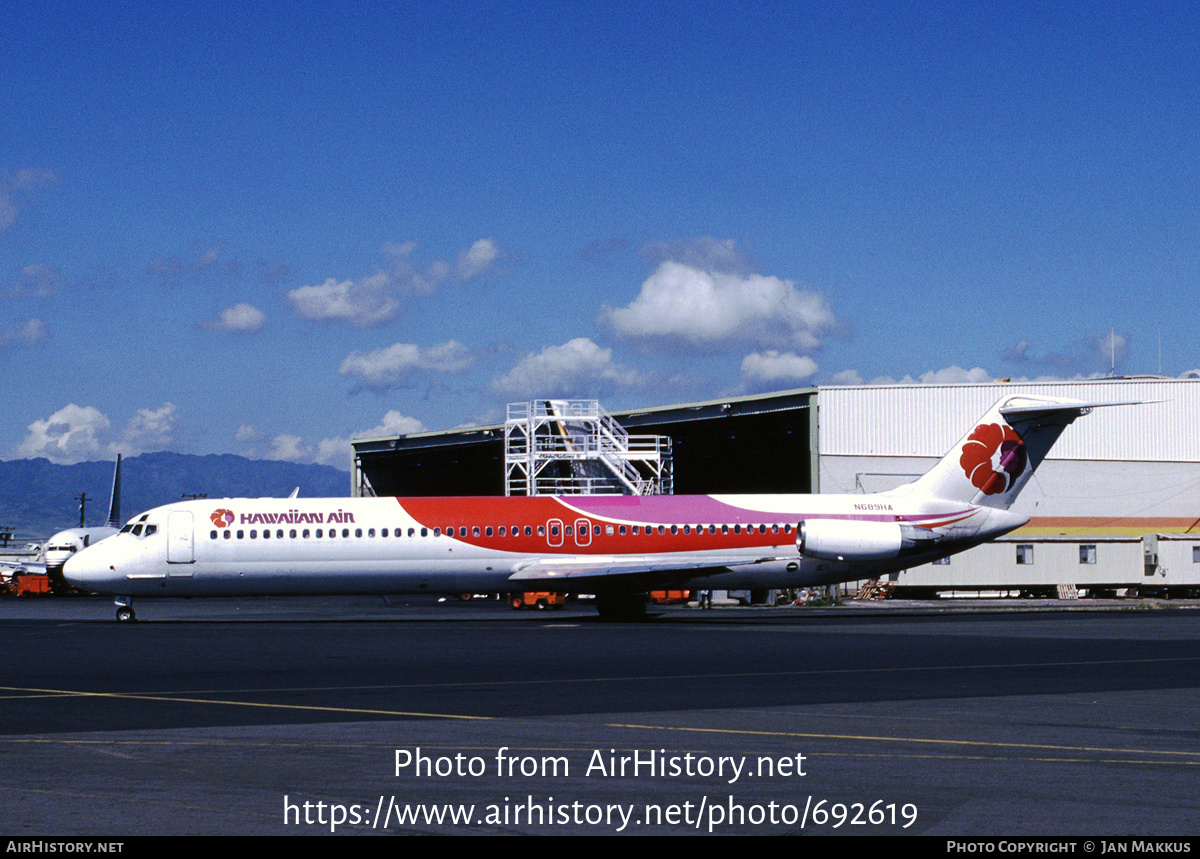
[{"x": 125, "y": 612}]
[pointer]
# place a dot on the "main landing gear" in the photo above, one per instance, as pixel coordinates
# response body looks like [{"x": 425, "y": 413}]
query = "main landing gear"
[
  {"x": 622, "y": 606},
  {"x": 125, "y": 612}
]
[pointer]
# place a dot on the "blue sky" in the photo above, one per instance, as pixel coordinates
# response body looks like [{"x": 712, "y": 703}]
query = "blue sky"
[{"x": 267, "y": 228}]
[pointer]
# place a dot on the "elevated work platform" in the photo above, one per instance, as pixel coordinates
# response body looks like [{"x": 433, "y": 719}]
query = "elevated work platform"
[{"x": 572, "y": 447}]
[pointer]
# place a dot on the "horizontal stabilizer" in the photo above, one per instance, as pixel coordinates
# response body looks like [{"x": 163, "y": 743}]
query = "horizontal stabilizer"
[{"x": 1020, "y": 409}]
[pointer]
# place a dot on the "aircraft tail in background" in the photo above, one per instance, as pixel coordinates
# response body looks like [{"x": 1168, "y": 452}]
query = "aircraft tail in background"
[{"x": 992, "y": 463}]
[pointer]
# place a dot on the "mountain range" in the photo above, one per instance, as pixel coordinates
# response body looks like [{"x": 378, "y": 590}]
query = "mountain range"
[{"x": 38, "y": 497}]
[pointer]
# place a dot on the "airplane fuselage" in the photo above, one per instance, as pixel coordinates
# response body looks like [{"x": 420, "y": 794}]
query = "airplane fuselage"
[{"x": 565, "y": 543}]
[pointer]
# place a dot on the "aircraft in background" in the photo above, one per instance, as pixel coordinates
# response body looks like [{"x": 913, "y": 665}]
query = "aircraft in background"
[
  {"x": 618, "y": 547},
  {"x": 65, "y": 544}
]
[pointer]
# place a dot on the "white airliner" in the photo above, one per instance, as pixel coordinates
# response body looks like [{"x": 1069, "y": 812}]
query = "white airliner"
[
  {"x": 616, "y": 546},
  {"x": 64, "y": 544}
]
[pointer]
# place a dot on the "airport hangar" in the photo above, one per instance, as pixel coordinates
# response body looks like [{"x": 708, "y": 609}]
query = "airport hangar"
[{"x": 1115, "y": 509}]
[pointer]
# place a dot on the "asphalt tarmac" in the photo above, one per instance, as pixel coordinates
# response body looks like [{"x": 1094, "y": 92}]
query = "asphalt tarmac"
[{"x": 354, "y": 716}]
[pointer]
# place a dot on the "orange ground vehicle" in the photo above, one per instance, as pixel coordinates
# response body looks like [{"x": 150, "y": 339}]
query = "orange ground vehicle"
[
  {"x": 537, "y": 599},
  {"x": 669, "y": 597},
  {"x": 30, "y": 584}
]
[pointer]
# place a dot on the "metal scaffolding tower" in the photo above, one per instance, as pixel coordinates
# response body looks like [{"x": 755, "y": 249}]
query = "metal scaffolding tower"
[{"x": 574, "y": 447}]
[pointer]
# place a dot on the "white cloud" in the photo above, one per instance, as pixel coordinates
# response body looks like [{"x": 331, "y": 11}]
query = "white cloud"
[
  {"x": 45, "y": 280},
  {"x": 14, "y": 189},
  {"x": 78, "y": 433},
  {"x": 774, "y": 367},
  {"x": 393, "y": 423},
  {"x": 576, "y": 368},
  {"x": 150, "y": 430},
  {"x": 379, "y": 297},
  {"x": 389, "y": 367},
  {"x": 952, "y": 375},
  {"x": 846, "y": 377},
  {"x": 360, "y": 302},
  {"x": 248, "y": 432},
  {"x": 72, "y": 434},
  {"x": 333, "y": 451},
  {"x": 476, "y": 259},
  {"x": 1111, "y": 347},
  {"x": 208, "y": 258},
  {"x": 681, "y": 303},
  {"x": 706, "y": 253},
  {"x": 955, "y": 375},
  {"x": 241, "y": 317},
  {"x": 289, "y": 448},
  {"x": 336, "y": 451},
  {"x": 405, "y": 278},
  {"x": 25, "y": 333}
]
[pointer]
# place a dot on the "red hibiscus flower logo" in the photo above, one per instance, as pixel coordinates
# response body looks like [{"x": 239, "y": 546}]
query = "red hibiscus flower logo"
[
  {"x": 222, "y": 518},
  {"x": 993, "y": 457}
]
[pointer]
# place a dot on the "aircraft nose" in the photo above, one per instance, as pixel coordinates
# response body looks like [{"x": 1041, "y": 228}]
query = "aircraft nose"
[{"x": 88, "y": 570}]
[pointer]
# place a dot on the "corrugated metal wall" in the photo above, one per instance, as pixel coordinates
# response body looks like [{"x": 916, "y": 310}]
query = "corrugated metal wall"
[{"x": 926, "y": 420}]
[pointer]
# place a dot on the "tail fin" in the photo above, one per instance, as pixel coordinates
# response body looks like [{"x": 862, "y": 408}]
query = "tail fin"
[
  {"x": 114, "y": 503},
  {"x": 992, "y": 463}
]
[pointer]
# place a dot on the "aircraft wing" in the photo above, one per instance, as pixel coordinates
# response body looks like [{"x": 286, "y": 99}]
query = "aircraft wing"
[
  {"x": 593, "y": 567},
  {"x": 10, "y": 570}
]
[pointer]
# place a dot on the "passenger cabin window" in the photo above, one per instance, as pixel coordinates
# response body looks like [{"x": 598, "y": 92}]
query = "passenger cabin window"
[
  {"x": 1087, "y": 553},
  {"x": 1024, "y": 554}
]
